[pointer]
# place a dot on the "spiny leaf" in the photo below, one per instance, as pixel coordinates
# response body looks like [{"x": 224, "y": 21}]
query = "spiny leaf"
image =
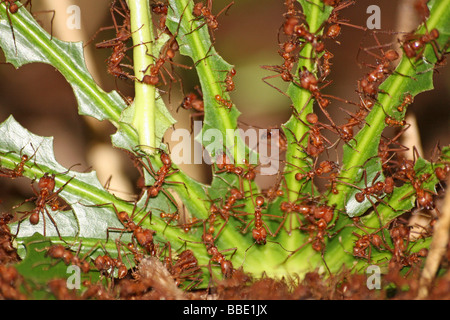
[
  {"x": 409, "y": 77},
  {"x": 17, "y": 141},
  {"x": 194, "y": 41},
  {"x": 34, "y": 44}
]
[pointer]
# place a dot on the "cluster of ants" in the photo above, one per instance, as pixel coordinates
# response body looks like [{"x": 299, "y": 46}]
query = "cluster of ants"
[
  {"x": 118, "y": 68},
  {"x": 313, "y": 217}
]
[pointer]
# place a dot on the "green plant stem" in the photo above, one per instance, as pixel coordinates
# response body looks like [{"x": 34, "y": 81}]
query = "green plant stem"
[
  {"x": 145, "y": 94},
  {"x": 296, "y": 158},
  {"x": 364, "y": 145}
]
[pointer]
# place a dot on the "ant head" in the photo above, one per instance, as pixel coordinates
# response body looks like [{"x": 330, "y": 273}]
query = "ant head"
[
  {"x": 333, "y": 31},
  {"x": 391, "y": 55},
  {"x": 123, "y": 216},
  {"x": 236, "y": 193},
  {"x": 359, "y": 197},
  {"x": 423, "y": 252},
  {"x": 47, "y": 182},
  {"x": 13, "y": 8},
  {"x": 150, "y": 80},
  {"x": 434, "y": 34},
  {"x": 312, "y": 118},
  {"x": 165, "y": 158},
  {"x": 259, "y": 201},
  {"x": 376, "y": 240}
]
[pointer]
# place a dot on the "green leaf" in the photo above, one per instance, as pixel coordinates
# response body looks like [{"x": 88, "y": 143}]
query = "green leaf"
[
  {"x": 194, "y": 40},
  {"x": 34, "y": 44},
  {"x": 82, "y": 188},
  {"x": 409, "y": 77},
  {"x": 38, "y": 268}
]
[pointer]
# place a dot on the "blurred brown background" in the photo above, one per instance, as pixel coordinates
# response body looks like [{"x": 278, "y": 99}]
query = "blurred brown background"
[{"x": 42, "y": 101}]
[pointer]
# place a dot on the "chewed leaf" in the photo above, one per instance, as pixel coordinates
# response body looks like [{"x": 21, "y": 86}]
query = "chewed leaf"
[
  {"x": 195, "y": 42},
  {"x": 31, "y": 43},
  {"x": 76, "y": 187}
]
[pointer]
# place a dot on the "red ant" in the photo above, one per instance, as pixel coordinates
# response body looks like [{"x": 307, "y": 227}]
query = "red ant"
[
  {"x": 224, "y": 165},
  {"x": 406, "y": 170},
  {"x": 259, "y": 232},
  {"x": 407, "y": 100},
  {"x": 106, "y": 265},
  {"x": 335, "y": 28},
  {"x": 369, "y": 84},
  {"x": 200, "y": 10},
  {"x": 226, "y": 210},
  {"x": 123, "y": 33},
  {"x": 171, "y": 216},
  {"x": 442, "y": 172},
  {"x": 192, "y": 101},
  {"x": 392, "y": 122},
  {"x": 365, "y": 242},
  {"x": 17, "y": 171},
  {"x": 143, "y": 236},
  {"x": 316, "y": 141},
  {"x": 281, "y": 141},
  {"x": 44, "y": 196},
  {"x": 424, "y": 197},
  {"x": 225, "y": 265},
  {"x": 283, "y": 71},
  {"x": 345, "y": 130},
  {"x": 325, "y": 67},
  {"x": 301, "y": 32},
  {"x": 309, "y": 82},
  {"x": 414, "y": 45},
  {"x": 12, "y": 7},
  {"x": 377, "y": 188},
  {"x": 167, "y": 54},
  {"x": 401, "y": 256},
  {"x": 325, "y": 166},
  {"x": 273, "y": 192},
  {"x": 58, "y": 251},
  {"x": 399, "y": 234},
  {"x": 333, "y": 183},
  {"x": 159, "y": 176},
  {"x": 287, "y": 54},
  {"x": 160, "y": 9},
  {"x": 260, "y": 229},
  {"x": 185, "y": 268},
  {"x": 223, "y": 102},
  {"x": 317, "y": 218},
  {"x": 229, "y": 83}
]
